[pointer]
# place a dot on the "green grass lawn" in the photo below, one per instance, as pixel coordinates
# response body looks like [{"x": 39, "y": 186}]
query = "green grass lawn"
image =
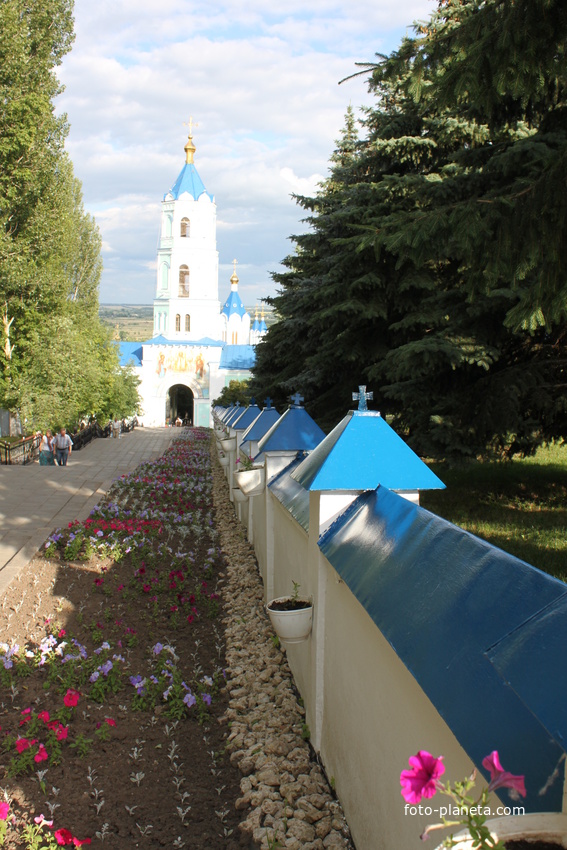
[{"x": 520, "y": 506}]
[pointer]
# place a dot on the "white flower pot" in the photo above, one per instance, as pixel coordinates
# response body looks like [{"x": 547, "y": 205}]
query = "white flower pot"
[
  {"x": 250, "y": 481},
  {"x": 291, "y": 626},
  {"x": 228, "y": 444},
  {"x": 539, "y": 826},
  {"x": 224, "y": 461},
  {"x": 238, "y": 495}
]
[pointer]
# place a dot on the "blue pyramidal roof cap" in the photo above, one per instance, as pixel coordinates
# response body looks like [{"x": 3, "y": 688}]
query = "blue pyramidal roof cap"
[
  {"x": 261, "y": 425},
  {"x": 294, "y": 431},
  {"x": 227, "y": 411},
  {"x": 246, "y": 418},
  {"x": 188, "y": 181},
  {"x": 236, "y": 411},
  {"x": 361, "y": 453}
]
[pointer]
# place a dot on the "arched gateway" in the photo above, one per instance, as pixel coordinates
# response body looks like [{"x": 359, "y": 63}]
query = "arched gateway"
[{"x": 179, "y": 404}]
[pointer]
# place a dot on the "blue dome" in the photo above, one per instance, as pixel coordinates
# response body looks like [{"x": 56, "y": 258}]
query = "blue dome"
[
  {"x": 232, "y": 305},
  {"x": 188, "y": 181}
]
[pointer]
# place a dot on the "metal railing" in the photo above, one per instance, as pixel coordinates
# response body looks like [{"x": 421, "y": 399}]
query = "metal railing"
[
  {"x": 22, "y": 452},
  {"x": 27, "y": 449}
]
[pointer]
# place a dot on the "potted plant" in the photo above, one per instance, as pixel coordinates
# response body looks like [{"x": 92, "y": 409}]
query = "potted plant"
[
  {"x": 223, "y": 459},
  {"x": 228, "y": 444},
  {"x": 238, "y": 495},
  {"x": 248, "y": 477},
  {"x": 291, "y": 616}
]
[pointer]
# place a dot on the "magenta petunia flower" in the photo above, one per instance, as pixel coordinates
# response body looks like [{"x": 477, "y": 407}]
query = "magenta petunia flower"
[
  {"x": 23, "y": 744},
  {"x": 500, "y": 778},
  {"x": 41, "y": 754},
  {"x": 421, "y": 780},
  {"x": 4, "y": 809},
  {"x": 71, "y": 698}
]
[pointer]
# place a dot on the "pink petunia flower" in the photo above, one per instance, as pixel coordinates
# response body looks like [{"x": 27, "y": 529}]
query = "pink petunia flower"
[
  {"x": 421, "y": 780},
  {"x": 41, "y": 821},
  {"x": 41, "y": 754},
  {"x": 71, "y": 698},
  {"x": 44, "y": 715},
  {"x": 23, "y": 744},
  {"x": 110, "y": 721},
  {"x": 4, "y": 809},
  {"x": 500, "y": 778},
  {"x": 63, "y": 836}
]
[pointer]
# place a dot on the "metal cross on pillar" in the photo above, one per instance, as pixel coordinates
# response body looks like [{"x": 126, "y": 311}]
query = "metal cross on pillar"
[
  {"x": 362, "y": 397},
  {"x": 268, "y": 403},
  {"x": 296, "y": 400}
]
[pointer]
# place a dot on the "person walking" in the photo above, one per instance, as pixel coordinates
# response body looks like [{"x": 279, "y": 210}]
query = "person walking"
[
  {"x": 46, "y": 449},
  {"x": 63, "y": 446}
]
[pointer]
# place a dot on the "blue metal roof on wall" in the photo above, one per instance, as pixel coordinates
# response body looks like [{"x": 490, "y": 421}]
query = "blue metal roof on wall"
[
  {"x": 233, "y": 304},
  {"x": 295, "y": 430},
  {"x": 130, "y": 352},
  {"x": 238, "y": 357},
  {"x": 474, "y": 625},
  {"x": 361, "y": 453},
  {"x": 261, "y": 425},
  {"x": 246, "y": 418},
  {"x": 291, "y": 495},
  {"x": 188, "y": 181}
]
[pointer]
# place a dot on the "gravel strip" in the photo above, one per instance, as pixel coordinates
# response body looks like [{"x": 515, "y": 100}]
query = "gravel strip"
[{"x": 286, "y": 800}]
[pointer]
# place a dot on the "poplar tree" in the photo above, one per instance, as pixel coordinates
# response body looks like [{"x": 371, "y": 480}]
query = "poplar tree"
[{"x": 57, "y": 358}]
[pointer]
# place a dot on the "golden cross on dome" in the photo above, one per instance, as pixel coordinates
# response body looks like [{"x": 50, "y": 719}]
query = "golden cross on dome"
[
  {"x": 190, "y": 124},
  {"x": 234, "y": 264}
]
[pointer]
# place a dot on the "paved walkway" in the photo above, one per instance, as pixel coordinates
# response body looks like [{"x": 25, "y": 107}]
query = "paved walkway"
[{"x": 36, "y": 499}]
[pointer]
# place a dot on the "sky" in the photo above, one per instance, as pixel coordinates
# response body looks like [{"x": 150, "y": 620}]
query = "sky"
[{"x": 260, "y": 79}]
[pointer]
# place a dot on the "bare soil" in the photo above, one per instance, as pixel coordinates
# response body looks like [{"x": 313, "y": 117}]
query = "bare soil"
[{"x": 127, "y": 775}]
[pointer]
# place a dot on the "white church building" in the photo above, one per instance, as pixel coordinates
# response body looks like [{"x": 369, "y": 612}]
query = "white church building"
[{"x": 198, "y": 346}]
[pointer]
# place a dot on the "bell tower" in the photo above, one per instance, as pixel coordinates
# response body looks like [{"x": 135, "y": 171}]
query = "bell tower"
[{"x": 186, "y": 305}]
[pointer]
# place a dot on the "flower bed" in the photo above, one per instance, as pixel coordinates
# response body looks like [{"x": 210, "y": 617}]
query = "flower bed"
[{"x": 112, "y": 684}]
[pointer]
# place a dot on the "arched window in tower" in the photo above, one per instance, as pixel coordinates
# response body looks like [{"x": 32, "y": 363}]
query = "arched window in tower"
[
  {"x": 187, "y": 322},
  {"x": 185, "y": 227},
  {"x": 184, "y": 281},
  {"x": 164, "y": 275},
  {"x": 167, "y": 222},
  {"x": 178, "y": 322}
]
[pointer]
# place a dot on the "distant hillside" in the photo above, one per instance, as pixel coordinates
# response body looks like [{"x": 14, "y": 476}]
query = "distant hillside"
[
  {"x": 130, "y": 322},
  {"x": 135, "y": 322}
]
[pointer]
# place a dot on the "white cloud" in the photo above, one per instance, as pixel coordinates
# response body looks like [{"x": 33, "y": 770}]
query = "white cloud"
[{"x": 262, "y": 82}]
